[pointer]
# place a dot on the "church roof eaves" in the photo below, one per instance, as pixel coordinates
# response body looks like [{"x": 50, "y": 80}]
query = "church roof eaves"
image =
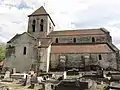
[
  {"x": 15, "y": 37},
  {"x": 18, "y": 35},
  {"x": 113, "y": 47},
  {"x": 95, "y": 31}
]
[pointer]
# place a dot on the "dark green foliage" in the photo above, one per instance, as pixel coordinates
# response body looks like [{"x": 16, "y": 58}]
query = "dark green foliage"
[{"x": 2, "y": 51}]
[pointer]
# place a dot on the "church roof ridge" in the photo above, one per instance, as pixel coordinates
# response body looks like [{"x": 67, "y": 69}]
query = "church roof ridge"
[
  {"x": 91, "y": 31},
  {"x": 14, "y": 37},
  {"x": 82, "y": 29},
  {"x": 18, "y": 35}
]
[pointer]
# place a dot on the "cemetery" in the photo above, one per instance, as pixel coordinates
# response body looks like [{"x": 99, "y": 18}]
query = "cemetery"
[{"x": 67, "y": 80}]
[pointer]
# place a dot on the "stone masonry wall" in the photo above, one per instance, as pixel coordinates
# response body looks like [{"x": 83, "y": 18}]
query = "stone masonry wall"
[
  {"x": 81, "y": 39},
  {"x": 18, "y": 60},
  {"x": 75, "y": 60}
]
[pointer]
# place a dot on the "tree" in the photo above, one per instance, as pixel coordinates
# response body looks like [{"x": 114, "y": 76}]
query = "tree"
[{"x": 2, "y": 51}]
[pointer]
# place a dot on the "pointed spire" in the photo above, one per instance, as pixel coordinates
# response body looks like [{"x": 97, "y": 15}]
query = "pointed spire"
[{"x": 39, "y": 11}]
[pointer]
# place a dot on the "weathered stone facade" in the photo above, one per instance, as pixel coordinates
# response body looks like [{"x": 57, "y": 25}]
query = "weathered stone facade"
[
  {"x": 18, "y": 56},
  {"x": 76, "y": 60},
  {"x": 25, "y": 53},
  {"x": 43, "y": 48}
]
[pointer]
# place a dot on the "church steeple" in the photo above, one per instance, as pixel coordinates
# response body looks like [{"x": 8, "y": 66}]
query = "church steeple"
[{"x": 40, "y": 23}]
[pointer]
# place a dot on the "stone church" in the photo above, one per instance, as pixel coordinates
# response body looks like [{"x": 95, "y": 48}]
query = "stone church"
[{"x": 46, "y": 49}]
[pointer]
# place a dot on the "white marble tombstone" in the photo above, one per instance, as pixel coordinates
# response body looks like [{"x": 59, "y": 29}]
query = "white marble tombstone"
[
  {"x": 28, "y": 78},
  {"x": 14, "y": 70},
  {"x": 65, "y": 75},
  {"x": 31, "y": 72},
  {"x": 7, "y": 75}
]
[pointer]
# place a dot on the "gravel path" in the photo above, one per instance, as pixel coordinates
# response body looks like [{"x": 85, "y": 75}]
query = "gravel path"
[{"x": 14, "y": 86}]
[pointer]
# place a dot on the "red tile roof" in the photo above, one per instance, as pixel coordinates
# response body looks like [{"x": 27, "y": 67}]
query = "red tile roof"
[
  {"x": 88, "y": 48},
  {"x": 78, "y": 32}
]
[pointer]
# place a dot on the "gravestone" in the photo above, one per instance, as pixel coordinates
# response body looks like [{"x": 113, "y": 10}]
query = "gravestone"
[
  {"x": 31, "y": 72},
  {"x": 100, "y": 72},
  {"x": 71, "y": 85},
  {"x": 28, "y": 78},
  {"x": 73, "y": 72},
  {"x": 40, "y": 79},
  {"x": 14, "y": 70},
  {"x": 7, "y": 75},
  {"x": 53, "y": 76},
  {"x": 25, "y": 80},
  {"x": 64, "y": 75}
]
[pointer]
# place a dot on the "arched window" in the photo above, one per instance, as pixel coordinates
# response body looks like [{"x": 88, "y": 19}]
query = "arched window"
[
  {"x": 74, "y": 40},
  {"x": 56, "y": 40},
  {"x": 24, "y": 51},
  {"x": 50, "y": 26},
  {"x": 93, "y": 39},
  {"x": 33, "y": 25},
  {"x": 41, "y": 20},
  {"x": 100, "y": 57},
  {"x": 9, "y": 46},
  {"x": 41, "y": 25}
]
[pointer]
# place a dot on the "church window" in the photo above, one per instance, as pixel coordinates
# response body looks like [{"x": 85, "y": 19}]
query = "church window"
[
  {"x": 74, "y": 40},
  {"x": 93, "y": 39},
  {"x": 50, "y": 26},
  {"x": 100, "y": 57},
  {"x": 24, "y": 51},
  {"x": 33, "y": 25},
  {"x": 41, "y": 25},
  {"x": 56, "y": 40},
  {"x": 9, "y": 46},
  {"x": 42, "y": 20}
]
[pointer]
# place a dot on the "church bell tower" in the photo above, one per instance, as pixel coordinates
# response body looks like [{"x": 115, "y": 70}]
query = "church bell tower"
[{"x": 40, "y": 23}]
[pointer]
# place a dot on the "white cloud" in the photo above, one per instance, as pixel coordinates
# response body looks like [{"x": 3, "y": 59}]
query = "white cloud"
[{"x": 67, "y": 14}]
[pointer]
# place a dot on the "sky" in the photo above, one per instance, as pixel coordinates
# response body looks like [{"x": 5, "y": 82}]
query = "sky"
[{"x": 66, "y": 14}]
